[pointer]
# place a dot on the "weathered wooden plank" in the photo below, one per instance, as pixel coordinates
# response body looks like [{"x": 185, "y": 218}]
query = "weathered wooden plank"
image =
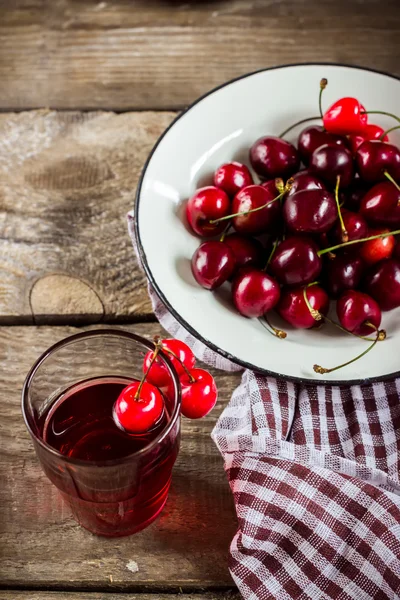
[
  {"x": 40, "y": 543},
  {"x": 139, "y": 55},
  {"x": 67, "y": 181},
  {"x": 31, "y": 595}
]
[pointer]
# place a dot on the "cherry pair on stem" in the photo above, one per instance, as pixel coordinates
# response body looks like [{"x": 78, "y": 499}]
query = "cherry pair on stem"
[{"x": 141, "y": 406}]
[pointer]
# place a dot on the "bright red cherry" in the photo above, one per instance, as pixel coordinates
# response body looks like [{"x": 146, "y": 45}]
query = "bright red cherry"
[
  {"x": 273, "y": 157},
  {"x": 296, "y": 261},
  {"x": 374, "y": 158},
  {"x": 178, "y": 352},
  {"x": 199, "y": 393},
  {"x": 354, "y": 224},
  {"x": 260, "y": 221},
  {"x": 232, "y": 177},
  {"x": 293, "y": 308},
  {"x": 356, "y": 310},
  {"x": 376, "y": 250},
  {"x": 345, "y": 117},
  {"x": 213, "y": 263},
  {"x": 254, "y": 292},
  {"x": 370, "y": 132},
  {"x": 248, "y": 251},
  {"x": 382, "y": 282},
  {"x": 329, "y": 162},
  {"x": 138, "y": 408},
  {"x": 310, "y": 211},
  {"x": 207, "y": 204},
  {"x": 313, "y": 137},
  {"x": 380, "y": 202}
]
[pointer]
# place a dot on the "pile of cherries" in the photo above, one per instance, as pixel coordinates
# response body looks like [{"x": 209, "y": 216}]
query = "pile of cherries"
[
  {"x": 140, "y": 407},
  {"x": 304, "y": 235}
]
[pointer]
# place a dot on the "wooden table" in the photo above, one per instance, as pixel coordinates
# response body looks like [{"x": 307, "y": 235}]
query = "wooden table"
[{"x": 86, "y": 89}]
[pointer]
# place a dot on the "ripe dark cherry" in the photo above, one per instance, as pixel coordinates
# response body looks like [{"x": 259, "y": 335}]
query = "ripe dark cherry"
[
  {"x": 254, "y": 292},
  {"x": 327, "y": 162},
  {"x": 139, "y": 407},
  {"x": 212, "y": 264},
  {"x": 354, "y": 224},
  {"x": 380, "y": 202},
  {"x": 273, "y": 157},
  {"x": 353, "y": 195},
  {"x": 310, "y": 211},
  {"x": 199, "y": 393},
  {"x": 255, "y": 196},
  {"x": 343, "y": 273},
  {"x": 355, "y": 310},
  {"x": 293, "y": 308},
  {"x": 373, "y": 158},
  {"x": 232, "y": 177},
  {"x": 248, "y": 251},
  {"x": 296, "y": 261},
  {"x": 313, "y": 137},
  {"x": 303, "y": 180},
  {"x": 382, "y": 282},
  {"x": 376, "y": 250},
  {"x": 158, "y": 373},
  {"x": 208, "y": 203}
]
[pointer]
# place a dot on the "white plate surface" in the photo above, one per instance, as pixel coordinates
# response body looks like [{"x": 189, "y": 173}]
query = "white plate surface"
[{"x": 221, "y": 127}]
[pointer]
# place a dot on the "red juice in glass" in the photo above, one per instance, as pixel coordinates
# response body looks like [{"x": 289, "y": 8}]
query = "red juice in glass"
[{"x": 115, "y": 483}]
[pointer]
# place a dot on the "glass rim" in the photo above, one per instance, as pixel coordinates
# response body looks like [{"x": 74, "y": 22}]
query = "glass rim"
[{"x": 97, "y": 333}]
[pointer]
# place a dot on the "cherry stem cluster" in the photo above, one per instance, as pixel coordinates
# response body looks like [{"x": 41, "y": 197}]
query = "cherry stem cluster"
[
  {"x": 153, "y": 360},
  {"x": 188, "y": 373}
]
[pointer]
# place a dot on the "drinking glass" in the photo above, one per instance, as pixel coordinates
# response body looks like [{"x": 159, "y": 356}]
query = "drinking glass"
[{"x": 110, "y": 497}]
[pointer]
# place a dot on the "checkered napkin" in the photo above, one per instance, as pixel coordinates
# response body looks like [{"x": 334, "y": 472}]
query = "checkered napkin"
[{"x": 314, "y": 472}]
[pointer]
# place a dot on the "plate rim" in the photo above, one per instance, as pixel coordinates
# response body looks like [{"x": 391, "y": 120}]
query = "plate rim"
[{"x": 160, "y": 294}]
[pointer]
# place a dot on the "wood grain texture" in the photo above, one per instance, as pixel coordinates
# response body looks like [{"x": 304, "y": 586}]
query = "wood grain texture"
[
  {"x": 40, "y": 543},
  {"x": 67, "y": 181},
  {"x": 13, "y": 595},
  {"x": 164, "y": 53}
]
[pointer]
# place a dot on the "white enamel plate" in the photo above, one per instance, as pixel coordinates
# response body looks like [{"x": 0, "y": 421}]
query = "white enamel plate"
[{"x": 221, "y": 127}]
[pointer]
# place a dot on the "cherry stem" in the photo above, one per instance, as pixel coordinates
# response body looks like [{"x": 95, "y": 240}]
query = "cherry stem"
[
  {"x": 188, "y": 373},
  {"x": 388, "y": 131},
  {"x": 271, "y": 254},
  {"x": 222, "y": 238},
  {"x": 380, "y": 112},
  {"x": 380, "y": 336},
  {"x": 336, "y": 324},
  {"x": 388, "y": 176},
  {"x": 279, "y": 333},
  {"x": 372, "y": 237},
  {"x": 297, "y": 124},
  {"x": 253, "y": 210},
  {"x": 322, "y": 85},
  {"x": 345, "y": 235},
  {"x": 153, "y": 360},
  {"x": 316, "y": 315}
]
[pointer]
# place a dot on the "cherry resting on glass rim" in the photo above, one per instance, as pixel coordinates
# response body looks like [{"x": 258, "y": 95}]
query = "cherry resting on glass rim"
[
  {"x": 296, "y": 261},
  {"x": 139, "y": 408},
  {"x": 271, "y": 157},
  {"x": 232, "y": 177},
  {"x": 355, "y": 310},
  {"x": 382, "y": 282},
  {"x": 293, "y": 308},
  {"x": 206, "y": 204},
  {"x": 380, "y": 202},
  {"x": 212, "y": 264},
  {"x": 328, "y": 162},
  {"x": 254, "y": 292},
  {"x": 343, "y": 273},
  {"x": 198, "y": 396},
  {"x": 314, "y": 136},
  {"x": 248, "y": 251},
  {"x": 303, "y": 180},
  {"x": 373, "y": 158},
  {"x": 310, "y": 211},
  {"x": 79, "y": 424},
  {"x": 158, "y": 373},
  {"x": 255, "y": 196},
  {"x": 354, "y": 224}
]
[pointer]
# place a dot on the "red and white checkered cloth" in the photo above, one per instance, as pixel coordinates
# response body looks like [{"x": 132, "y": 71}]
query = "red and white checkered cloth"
[{"x": 314, "y": 472}]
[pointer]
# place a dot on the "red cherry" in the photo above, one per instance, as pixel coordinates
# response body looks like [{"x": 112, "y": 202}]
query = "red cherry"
[
  {"x": 138, "y": 411},
  {"x": 207, "y": 204},
  {"x": 375, "y": 158},
  {"x": 293, "y": 308},
  {"x": 303, "y": 180},
  {"x": 383, "y": 284},
  {"x": 313, "y": 137},
  {"x": 199, "y": 393},
  {"x": 296, "y": 261},
  {"x": 345, "y": 117},
  {"x": 380, "y": 202},
  {"x": 158, "y": 373},
  {"x": 327, "y": 162},
  {"x": 354, "y": 224},
  {"x": 213, "y": 263},
  {"x": 232, "y": 177},
  {"x": 355, "y": 310},
  {"x": 248, "y": 251},
  {"x": 370, "y": 132},
  {"x": 273, "y": 157},
  {"x": 343, "y": 273},
  {"x": 254, "y": 292},
  {"x": 256, "y": 196},
  {"x": 310, "y": 211},
  {"x": 376, "y": 250}
]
